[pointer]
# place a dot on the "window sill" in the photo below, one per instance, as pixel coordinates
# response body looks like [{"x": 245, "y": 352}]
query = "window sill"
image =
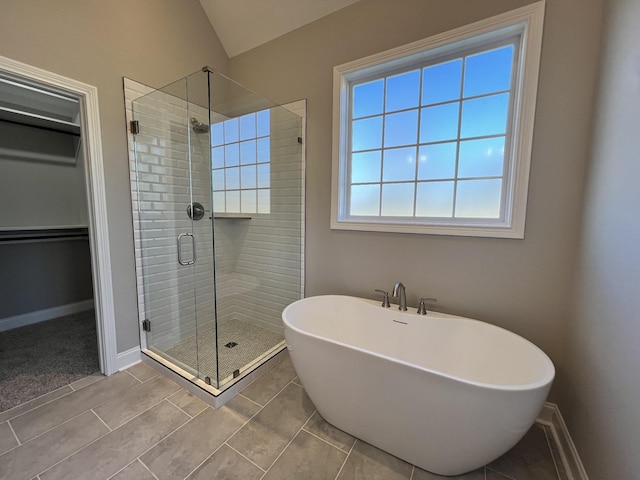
[{"x": 469, "y": 230}]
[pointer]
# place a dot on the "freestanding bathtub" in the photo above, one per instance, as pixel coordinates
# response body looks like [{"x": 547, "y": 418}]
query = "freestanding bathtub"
[{"x": 448, "y": 394}]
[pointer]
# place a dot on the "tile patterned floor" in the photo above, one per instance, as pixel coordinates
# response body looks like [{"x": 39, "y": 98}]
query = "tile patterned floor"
[{"x": 139, "y": 425}]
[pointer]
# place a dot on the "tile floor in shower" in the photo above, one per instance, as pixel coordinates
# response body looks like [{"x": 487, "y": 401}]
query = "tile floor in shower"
[
  {"x": 251, "y": 342},
  {"x": 139, "y": 425}
]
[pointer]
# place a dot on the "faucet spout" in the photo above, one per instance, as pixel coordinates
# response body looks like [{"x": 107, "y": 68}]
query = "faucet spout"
[{"x": 399, "y": 292}]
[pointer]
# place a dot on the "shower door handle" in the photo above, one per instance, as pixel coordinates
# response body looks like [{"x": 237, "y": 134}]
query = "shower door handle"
[{"x": 193, "y": 246}]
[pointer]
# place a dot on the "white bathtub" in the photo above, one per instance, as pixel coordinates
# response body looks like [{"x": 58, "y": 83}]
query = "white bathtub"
[{"x": 448, "y": 394}]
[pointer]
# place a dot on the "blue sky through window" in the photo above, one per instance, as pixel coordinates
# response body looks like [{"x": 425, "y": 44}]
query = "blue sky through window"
[
  {"x": 240, "y": 162},
  {"x": 431, "y": 141}
]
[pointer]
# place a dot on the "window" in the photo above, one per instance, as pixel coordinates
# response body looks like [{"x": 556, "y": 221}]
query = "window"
[
  {"x": 435, "y": 137},
  {"x": 241, "y": 168}
]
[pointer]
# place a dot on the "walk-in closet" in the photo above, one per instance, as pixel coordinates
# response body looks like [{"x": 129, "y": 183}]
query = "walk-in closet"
[{"x": 47, "y": 320}]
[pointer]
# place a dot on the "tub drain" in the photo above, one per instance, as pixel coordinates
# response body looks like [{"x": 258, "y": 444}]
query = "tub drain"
[{"x": 231, "y": 344}]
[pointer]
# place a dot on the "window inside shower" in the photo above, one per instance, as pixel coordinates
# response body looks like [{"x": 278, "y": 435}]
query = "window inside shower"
[
  {"x": 213, "y": 286},
  {"x": 241, "y": 163}
]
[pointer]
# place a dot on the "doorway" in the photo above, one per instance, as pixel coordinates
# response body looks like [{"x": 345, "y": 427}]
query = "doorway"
[{"x": 79, "y": 145}]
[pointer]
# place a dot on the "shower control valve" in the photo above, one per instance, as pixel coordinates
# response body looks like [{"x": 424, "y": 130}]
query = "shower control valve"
[{"x": 385, "y": 299}]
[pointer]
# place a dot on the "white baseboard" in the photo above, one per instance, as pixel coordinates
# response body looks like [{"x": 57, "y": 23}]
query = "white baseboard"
[
  {"x": 551, "y": 417},
  {"x": 42, "y": 315},
  {"x": 128, "y": 358}
]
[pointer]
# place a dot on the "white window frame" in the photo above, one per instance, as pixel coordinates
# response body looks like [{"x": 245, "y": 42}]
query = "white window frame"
[{"x": 526, "y": 22}]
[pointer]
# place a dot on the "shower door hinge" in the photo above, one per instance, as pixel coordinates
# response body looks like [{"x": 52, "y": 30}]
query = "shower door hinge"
[
  {"x": 146, "y": 325},
  {"x": 134, "y": 126}
]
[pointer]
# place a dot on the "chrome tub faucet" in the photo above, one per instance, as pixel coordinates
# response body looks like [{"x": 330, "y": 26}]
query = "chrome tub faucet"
[{"x": 400, "y": 293}]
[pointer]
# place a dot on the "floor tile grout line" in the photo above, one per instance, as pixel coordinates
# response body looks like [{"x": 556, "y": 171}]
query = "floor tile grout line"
[
  {"x": 41, "y": 405},
  {"x": 202, "y": 462},
  {"x": 261, "y": 408},
  {"x": 147, "y": 468},
  {"x": 189, "y": 415},
  {"x": 325, "y": 441},
  {"x": 289, "y": 443},
  {"x": 42, "y": 433},
  {"x": 413, "y": 469},
  {"x": 123, "y": 468},
  {"x": 61, "y": 397},
  {"x": 14, "y": 434},
  {"x": 129, "y": 373},
  {"x": 252, "y": 401},
  {"x": 497, "y": 471},
  {"x": 245, "y": 457},
  {"x": 108, "y": 433},
  {"x": 103, "y": 422},
  {"x": 345, "y": 459},
  {"x": 284, "y": 449}
]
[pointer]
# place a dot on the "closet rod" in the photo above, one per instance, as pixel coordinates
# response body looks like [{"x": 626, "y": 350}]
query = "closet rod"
[{"x": 29, "y": 236}]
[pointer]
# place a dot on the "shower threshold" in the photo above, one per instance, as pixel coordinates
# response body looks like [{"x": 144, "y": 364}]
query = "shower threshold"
[{"x": 230, "y": 385}]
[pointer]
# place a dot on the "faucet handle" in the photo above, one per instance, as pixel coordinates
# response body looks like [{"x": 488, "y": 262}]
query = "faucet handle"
[
  {"x": 385, "y": 299},
  {"x": 422, "y": 308}
]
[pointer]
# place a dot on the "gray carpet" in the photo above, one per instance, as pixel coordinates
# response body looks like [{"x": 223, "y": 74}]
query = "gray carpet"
[
  {"x": 252, "y": 342},
  {"x": 43, "y": 357}
]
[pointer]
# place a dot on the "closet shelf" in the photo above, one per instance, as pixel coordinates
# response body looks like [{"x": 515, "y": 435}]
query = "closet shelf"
[{"x": 40, "y": 121}]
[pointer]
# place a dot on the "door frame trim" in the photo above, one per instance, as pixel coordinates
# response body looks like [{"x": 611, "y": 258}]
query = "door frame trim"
[{"x": 87, "y": 95}]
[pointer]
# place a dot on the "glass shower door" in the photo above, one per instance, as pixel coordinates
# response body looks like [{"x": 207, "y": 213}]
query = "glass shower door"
[{"x": 167, "y": 245}]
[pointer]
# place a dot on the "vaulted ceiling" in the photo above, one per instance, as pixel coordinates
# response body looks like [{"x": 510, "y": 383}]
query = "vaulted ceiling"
[{"x": 245, "y": 24}]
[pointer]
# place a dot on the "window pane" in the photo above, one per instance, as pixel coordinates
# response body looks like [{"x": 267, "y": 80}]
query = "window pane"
[
  {"x": 478, "y": 198},
  {"x": 217, "y": 157},
  {"x": 248, "y": 177},
  {"x": 217, "y": 179},
  {"x": 481, "y": 158},
  {"x": 248, "y": 126},
  {"x": 233, "y": 201},
  {"x": 263, "y": 120},
  {"x": 248, "y": 201},
  {"x": 264, "y": 201},
  {"x": 434, "y": 199},
  {"x": 399, "y": 164},
  {"x": 439, "y": 123},
  {"x": 264, "y": 149},
  {"x": 397, "y": 199},
  {"x": 248, "y": 152},
  {"x": 488, "y": 72},
  {"x": 403, "y": 91},
  {"x": 231, "y": 155},
  {"x": 231, "y": 130},
  {"x": 365, "y": 167},
  {"x": 219, "y": 202},
  {"x": 366, "y": 134},
  {"x": 401, "y": 129},
  {"x": 368, "y": 98},
  {"x": 485, "y": 116},
  {"x": 217, "y": 134},
  {"x": 232, "y": 177},
  {"x": 264, "y": 175},
  {"x": 365, "y": 199},
  {"x": 437, "y": 161},
  {"x": 441, "y": 83}
]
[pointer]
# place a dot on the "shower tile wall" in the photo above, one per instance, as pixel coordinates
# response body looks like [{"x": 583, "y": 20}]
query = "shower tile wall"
[
  {"x": 263, "y": 271},
  {"x": 258, "y": 262},
  {"x": 160, "y": 209}
]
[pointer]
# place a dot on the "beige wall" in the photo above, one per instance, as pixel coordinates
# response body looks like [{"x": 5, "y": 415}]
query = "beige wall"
[
  {"x": 600, "y": 389},
  {"x": 99, "y": 42},
  {"x": 522, "y": 285}
]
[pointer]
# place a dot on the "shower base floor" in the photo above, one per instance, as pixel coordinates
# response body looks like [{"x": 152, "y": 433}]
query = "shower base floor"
[{"x": 252, "y": 342}]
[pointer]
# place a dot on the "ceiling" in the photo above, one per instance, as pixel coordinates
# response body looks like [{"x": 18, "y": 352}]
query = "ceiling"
[{"x": 245, "y": 24}]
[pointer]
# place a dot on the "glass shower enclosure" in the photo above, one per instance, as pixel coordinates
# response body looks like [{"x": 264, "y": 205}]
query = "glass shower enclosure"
[{"x": 218, "y": 225}]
